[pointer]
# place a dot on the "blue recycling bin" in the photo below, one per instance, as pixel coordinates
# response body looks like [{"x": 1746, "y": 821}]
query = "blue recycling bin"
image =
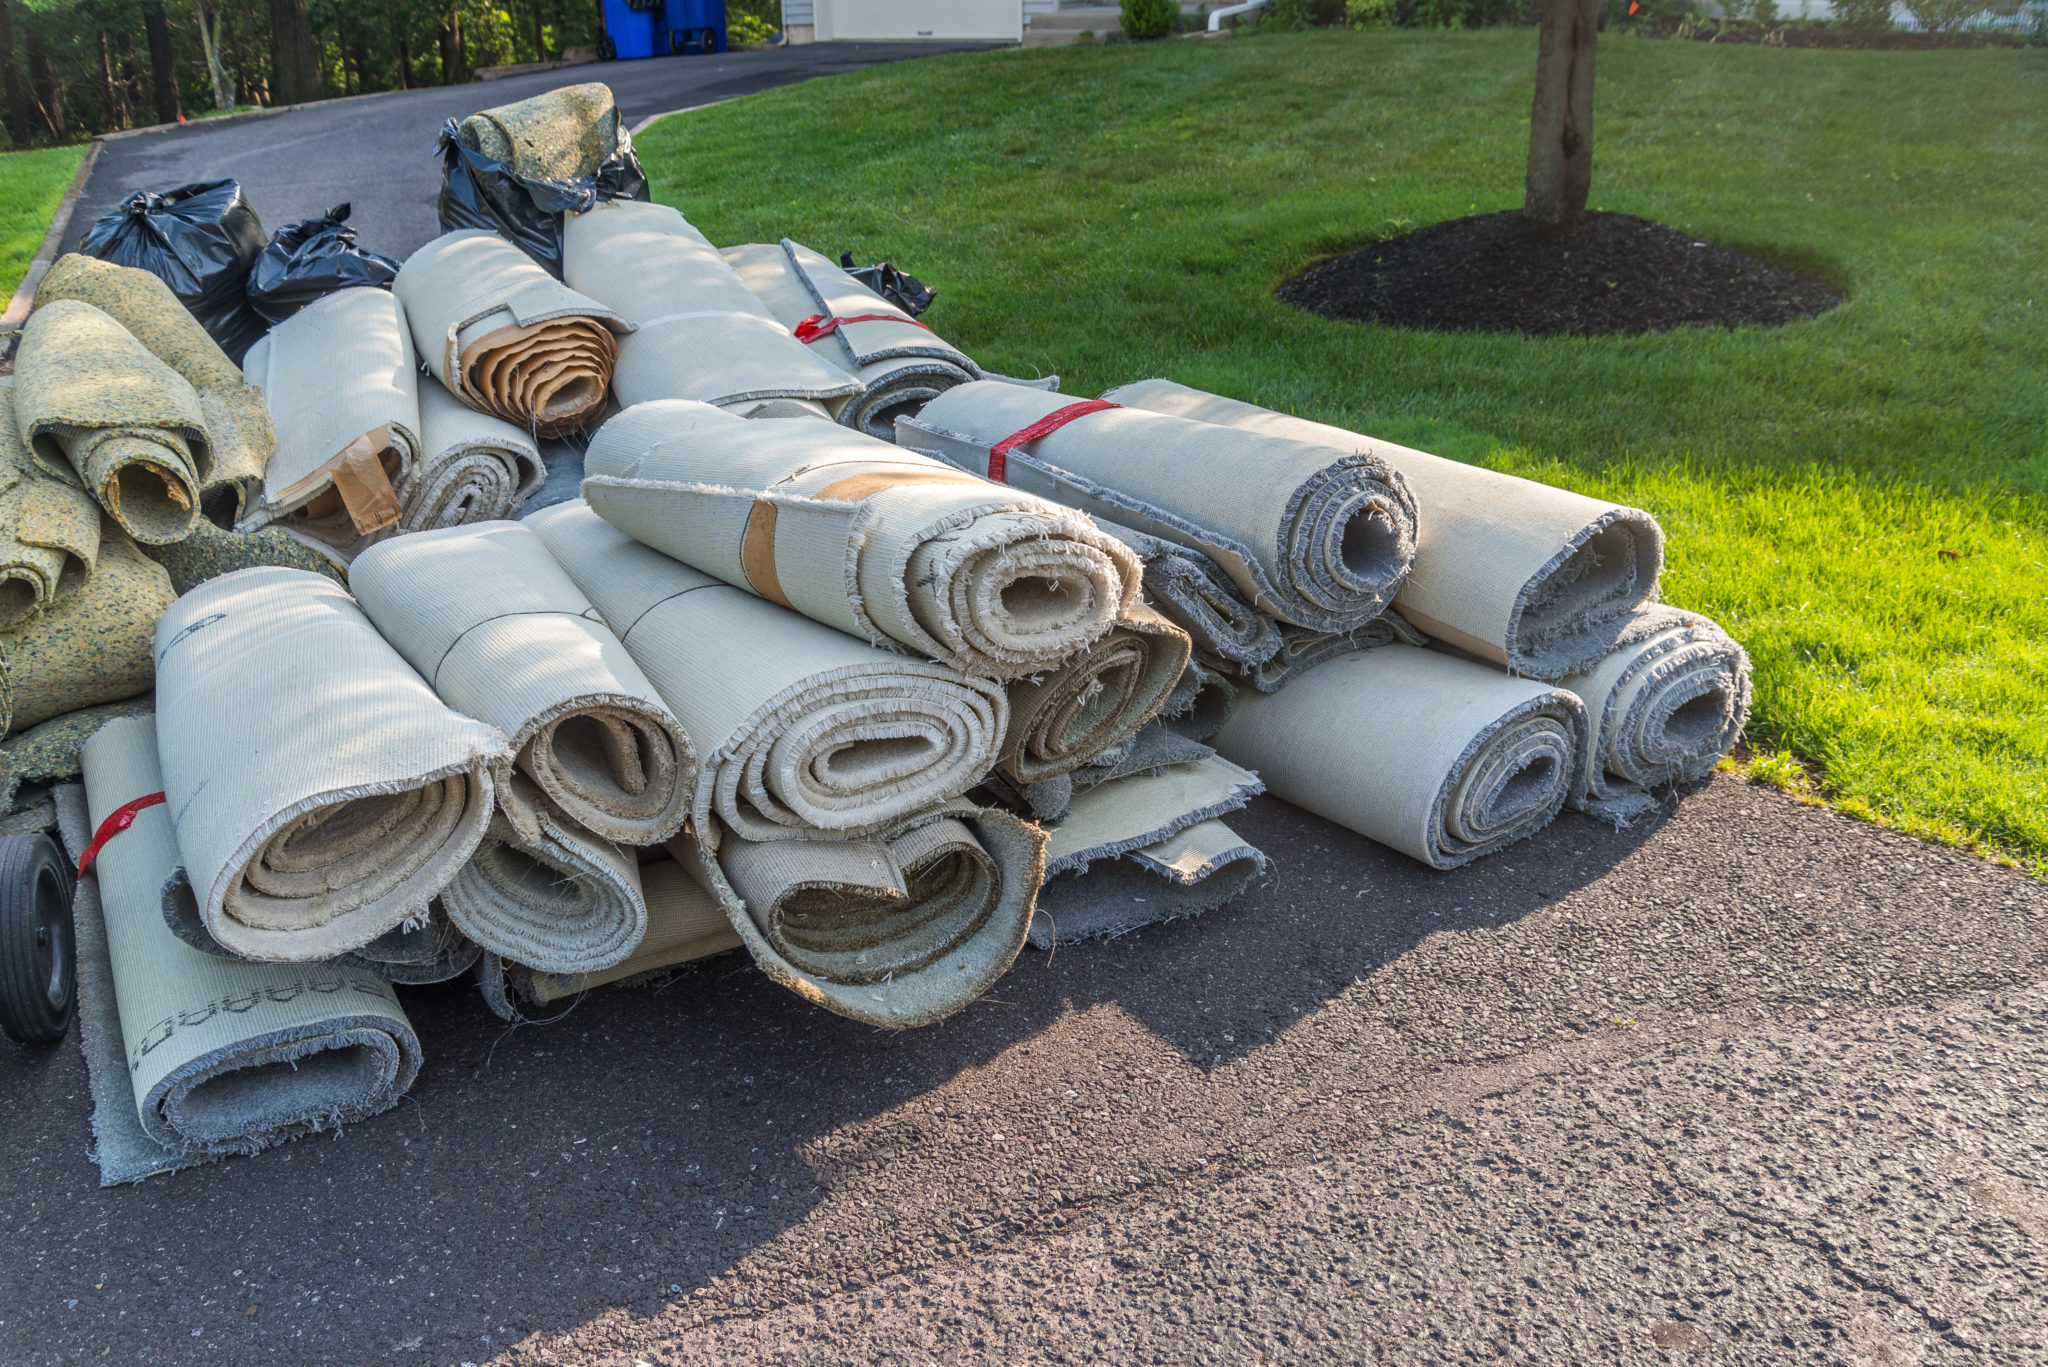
[
  {"x": 656, "y": 28},
  {"x": 696, "y": 25}
]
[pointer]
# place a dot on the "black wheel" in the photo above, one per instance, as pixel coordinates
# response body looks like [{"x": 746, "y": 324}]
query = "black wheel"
[
  {"x": 709, "y": 42},
  {"x": 38, "y": 988},
  {"x": 607, "y": 50}
]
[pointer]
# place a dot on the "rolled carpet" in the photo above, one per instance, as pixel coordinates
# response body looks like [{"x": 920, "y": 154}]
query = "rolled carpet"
[
  {"x": 803, "y": 730},
  {"x": 211, "y": 551},
  {"x": 92, "y": 646},
  {"x": 897, "y": 931},
  {"x": 342, "y": 385},
  {"x": 1194, "y": 593},
  {"x": 1664, "y": 707},
  {"x": 564, "y": 134},
  {"x": 323, "y": 794},
  {"x": 49, "y": 528},
  {"x": 1061, "y": 719},
  {"x": 1536, "y": 578},
  {"x": 506, "y": 337},
  {"x": 497, "y": 628},
  {"x": 240, "y": 437},
  {"x": 698, "y": 331},
  {"x": 216, "y": 1056},
  {"x": 472, "y": 467},
  {"x": 97, "y": 410},
  {"x": 877, "y": 541},
  {"x": 1143, "y": 849},
  {"x": 1440, "y": 758},
  {"x": 1302, "y": 649},
  {"x": 419, "y": 952},
  {"x": 1317, "y": 535}
]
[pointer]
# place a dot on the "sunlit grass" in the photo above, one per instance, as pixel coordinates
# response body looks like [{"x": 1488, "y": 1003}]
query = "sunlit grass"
[{"x": 31, "y": 185}]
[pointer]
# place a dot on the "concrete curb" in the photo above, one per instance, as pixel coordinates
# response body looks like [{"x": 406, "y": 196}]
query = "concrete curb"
[
  {"x": 652, "y": 119},
  {"x": 39, "y": 264}
]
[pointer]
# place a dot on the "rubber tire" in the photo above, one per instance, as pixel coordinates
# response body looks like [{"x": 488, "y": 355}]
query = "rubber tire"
[
  {"x": 607, "y": 49},
  {"x": 38, "y": 956}
]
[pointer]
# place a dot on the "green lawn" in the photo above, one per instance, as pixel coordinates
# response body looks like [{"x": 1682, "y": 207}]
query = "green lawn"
[
  {"x": 31, "y": 184},
  {"x": 1861, "y": 498}
]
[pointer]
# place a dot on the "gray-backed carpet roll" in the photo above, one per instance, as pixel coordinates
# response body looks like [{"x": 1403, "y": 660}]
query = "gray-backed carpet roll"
[
  {"x": 1066, "y": 716},
  {"x": 1664, "y": 707},
  {"x": 419, "y": 952},
  {"x": 566, "y": 902},
  {"x": 1199, "y": 704},
  {"x": 802, "y": 729},
  {"x": 1146, "y": 848},
  {"x": 89, "y": 647},
  {"x": 97, "y": 409},
  {"x": 323, "y": 794},
  {"x": 882, "y": 543},
  {"x": 897, "y": 931},
  {"x": 342, "y": 384},
  {"x": 506, "y": 337},
  {"x": 1536, "y": 578},
  {"x": 1440, "y": 758},
  {"x": 698, "y": 331},
  {"x": 504, "y": 635},
  {"x": 1302, "y": 649},
  {"x": 472, "y": 467},
  {"x": 49, "y": 527},
  {"x": 1192, "y": 591},
  {"x": 216, "y": 1056},
  {"x": 1317, "y": 535}
]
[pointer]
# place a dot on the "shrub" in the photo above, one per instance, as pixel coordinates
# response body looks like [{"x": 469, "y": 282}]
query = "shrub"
[
  {"x": 1943, "y": 16},
  {"x": 1863, "y": 16},
  {"x": 1144, "y": 19}
]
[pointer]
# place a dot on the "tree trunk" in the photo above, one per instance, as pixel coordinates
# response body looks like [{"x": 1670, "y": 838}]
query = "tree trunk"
[
  {"x": 1561, "y": 121},
  {"x": 163, "y": 70},
  {"x": 294, "y": 57},
  {"x": 10, "y": 79},
  {"x": 131, "y": 84},
  {"x": 404, "y": 65},
  {"x": 108, "y": 93},
  {"x": 540, "y": 34},
  {"x": 454, "y": 66},
  {"x": 216, "y": 60},
  {"x": 42, "y": 84}
]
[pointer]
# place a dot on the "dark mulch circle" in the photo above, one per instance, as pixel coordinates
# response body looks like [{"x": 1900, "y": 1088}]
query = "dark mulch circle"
[{"x": 1613, "y": 273}]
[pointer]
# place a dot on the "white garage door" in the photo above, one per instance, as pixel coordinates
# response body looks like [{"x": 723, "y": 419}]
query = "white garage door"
[{"x": 843, "y": 19}]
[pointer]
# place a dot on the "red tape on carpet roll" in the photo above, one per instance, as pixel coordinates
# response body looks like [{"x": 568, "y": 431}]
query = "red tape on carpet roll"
[
  {"x": 999, "y": 454},
  {"x": 118, "y": 820},
  {"x": 821, "y": 325}
]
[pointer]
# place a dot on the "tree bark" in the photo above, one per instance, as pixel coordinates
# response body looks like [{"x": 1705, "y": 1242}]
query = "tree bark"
[
  {"x": 10, "y": 79},
  {"x": 131, "y": 84},
  {"x": 43, "y": 87},
  {"x": 1561, "y": 120},
  {"x": 404, "y": 65},
  {"x": 454, "y": 66},
  {"x": 163, "y": 69},
  {"x": 294, "y": 57},
  {"x": 110, "y": 90}
]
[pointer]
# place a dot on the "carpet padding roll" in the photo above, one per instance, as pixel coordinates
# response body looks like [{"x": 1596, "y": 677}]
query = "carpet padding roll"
[
  {"x": 92, "y": 646},
  {"x": 97, "y": 409},
  {"x": 879, "y": 542},
  {"x": 1533, "y": 577},
  {"x": 699, "y": 332},
  {"x": 506, "y": 337},
  {"x": 1664, "y": 707},
  {"x": 497, "y": 628},
  {"x": 342, "y": 384},
  {"x": 322, "y": 793},
  {"x": 1317, "y": 535},
  {"x": 472, "y": 467},
  {"x": 219, "y": 1056},
  {"x": 563, "y": 134},
  {"x": 49, "y": 527},
  {"x": 801, "y": 729},
  {"x": 1440, "y": 758},
  {"x": 1099, "y": 698}
]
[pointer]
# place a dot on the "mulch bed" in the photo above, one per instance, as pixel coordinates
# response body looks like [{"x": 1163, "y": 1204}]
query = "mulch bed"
[{"x": 1613, "y": 273}]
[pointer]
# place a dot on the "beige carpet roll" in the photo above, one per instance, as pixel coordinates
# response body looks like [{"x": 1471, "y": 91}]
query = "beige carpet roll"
[
  {"x": 91, "y": 646},
  {"x": 342, "y": 385},
  {"x": 698, "y": 331},
  {"x": 897, "y": 931},
  {"x": 879, "y": 542},
  {"x": 1664, "y": 707},
  {"x": 472, "y": 467},
  {"x": 497, "y": 628},
  {"x": 1533, "y": 577},
  {"x": 97, "y": 409},
  {"x": 1440, "y": 758},
  {"x": 240, "y": 438},
  {"x": 323, "y": 794},
  {"x": 802, "y": 730},
  {"x": 49, "y": 527},
  {"x": 506, "y": 337},
  {"x": 1192, "y": 591},
  {"x": 1061, "y": 719},
  {"x": 1317, "y": 535}
]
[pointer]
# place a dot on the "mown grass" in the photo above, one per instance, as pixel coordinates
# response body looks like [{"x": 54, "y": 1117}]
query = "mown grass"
[
  {"x": 1862, "y": 498},
  {"x": 31, "y": 184}
]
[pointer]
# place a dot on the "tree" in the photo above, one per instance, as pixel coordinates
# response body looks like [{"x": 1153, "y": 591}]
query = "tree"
[
  {"x": 296, "y": 71},
  {"x": 163, "y": 64},
  {"x": 42, "y": 84},
  {"x": 217, "y": 73},
  {"x": 1561, "y": 120},
  {"x": 10, "y": 79}
]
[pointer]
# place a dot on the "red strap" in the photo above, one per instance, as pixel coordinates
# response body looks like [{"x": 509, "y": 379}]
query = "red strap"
[
  {"x": 819, "y": 325},
  {"x": 999, "y": 454},
  {"x": 118, "y": 820}
]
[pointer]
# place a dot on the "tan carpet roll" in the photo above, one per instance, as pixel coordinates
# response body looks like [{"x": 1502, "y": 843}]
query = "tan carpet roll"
[
  {"x": 49, "y": 527},
  {"x": 506, "y": 337},
  {"x": 472, "y": 467},
  {"x": 1099, "y": 698},
  {"x": 92, "y": 646}
]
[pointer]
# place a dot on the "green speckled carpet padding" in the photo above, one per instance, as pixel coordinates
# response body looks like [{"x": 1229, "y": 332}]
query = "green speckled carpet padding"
[
  {"x": 92, "y": 646},
  {"x": 210, "y": 552},
  {"x": 49, "y": 527},
  {"x": 33, "y": 761},
  {"x": 561, "y": 135}
]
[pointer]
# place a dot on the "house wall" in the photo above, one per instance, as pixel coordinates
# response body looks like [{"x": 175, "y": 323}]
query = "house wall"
[{"x": 912, "y": 19}]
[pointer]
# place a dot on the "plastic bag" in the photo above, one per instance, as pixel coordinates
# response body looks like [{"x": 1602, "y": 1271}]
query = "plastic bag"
[
  {"x": 481, "y": 192},
  {"x": 198, "y": 239},
  {"x": 311, "y": 258},
  {"x": 900, "y": 288}
]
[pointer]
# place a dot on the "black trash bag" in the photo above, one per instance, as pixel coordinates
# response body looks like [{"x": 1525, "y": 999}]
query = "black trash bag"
[
  {"x": 312, "y": 258},
  {"x": 198, "y": 239},
  {"x": 900, "y": 288},
  {"x": 481, "y": 192}
]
